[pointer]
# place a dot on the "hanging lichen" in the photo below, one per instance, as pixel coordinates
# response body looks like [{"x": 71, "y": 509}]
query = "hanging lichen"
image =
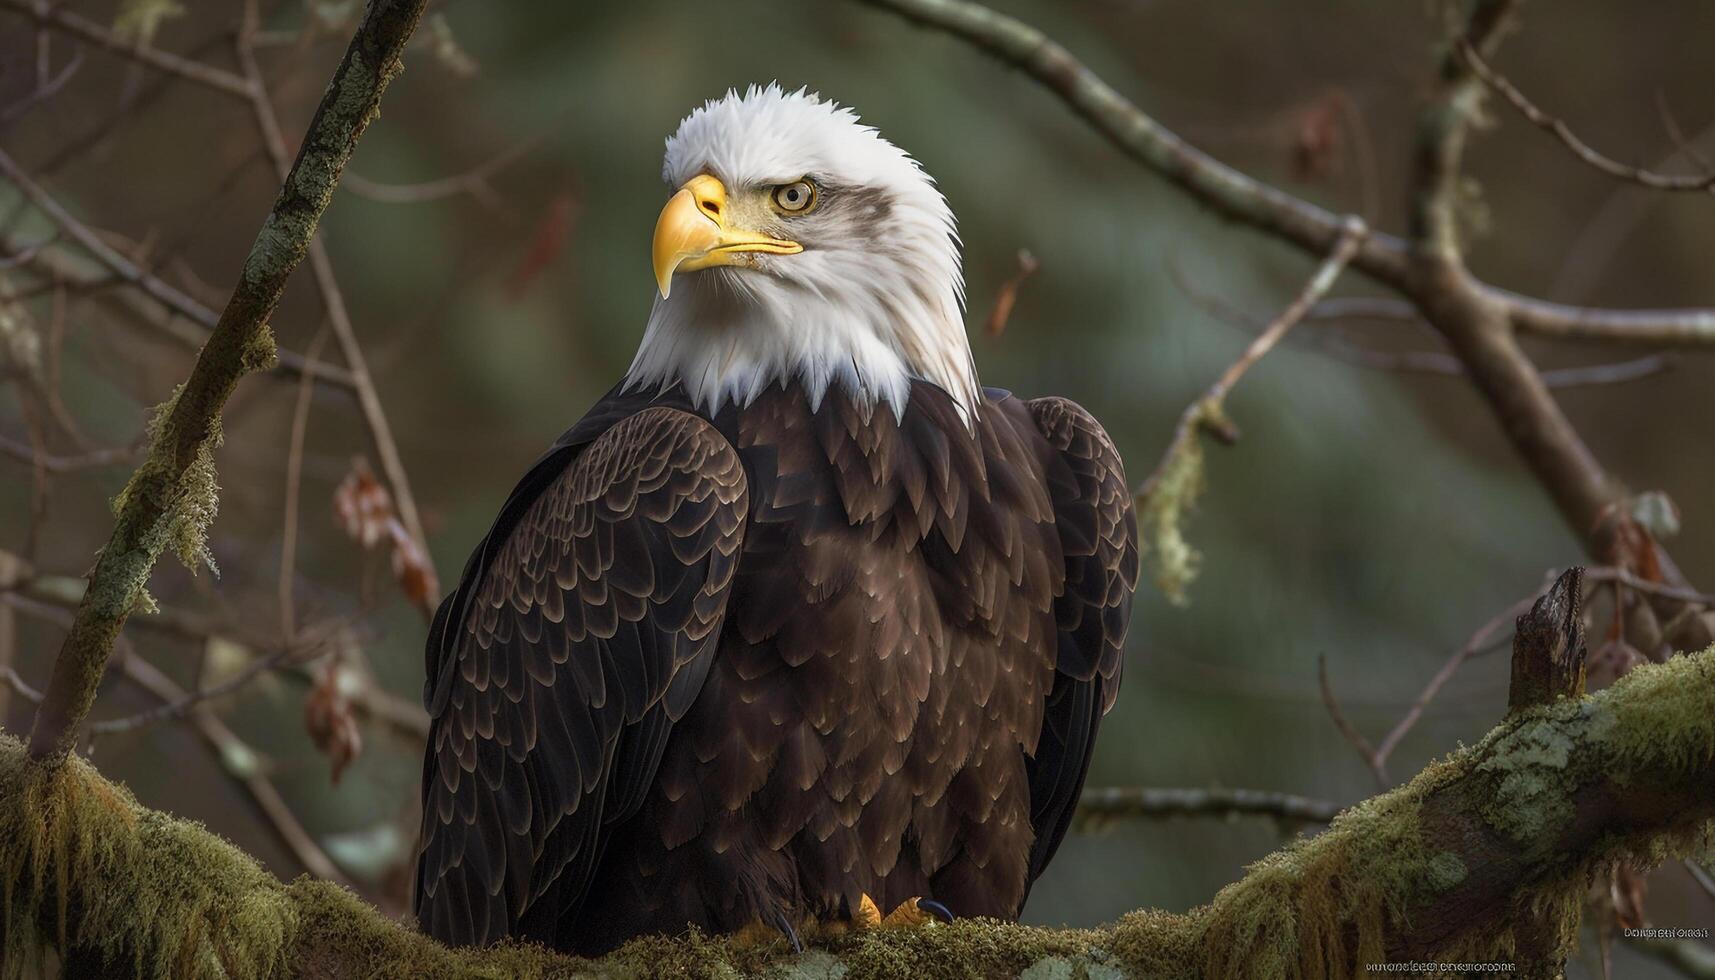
[
  {"x": 187, "y": 503},
  {"x": 1166, "y": 502}
]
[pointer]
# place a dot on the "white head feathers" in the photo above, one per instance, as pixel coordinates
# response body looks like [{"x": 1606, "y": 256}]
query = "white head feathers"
[{"x": 874, "y": 299}]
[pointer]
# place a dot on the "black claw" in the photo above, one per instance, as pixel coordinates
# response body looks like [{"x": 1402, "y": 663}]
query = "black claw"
[
  {"x": 936, "y": 909},
  {"x": 778, "y": 920}
]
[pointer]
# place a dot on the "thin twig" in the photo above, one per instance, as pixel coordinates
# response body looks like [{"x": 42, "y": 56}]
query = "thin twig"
[
  {"x": 402, "y": 716},
  {"x": 228, "y": 747},
  {"x": 1377, "y": 767},
  {"x": 1692, "y": 327},
  {"x": 474, "y": 182},
  {"x": 45, "y": 89},
  {"x": 1414, "y": 361},
  {"x": 54, "y": 15},
  {"x": 1480, "y": 640},
  {"x": 19, "y": 686},
  {"x": 293, "y": 654},
  {"x": 1107, "y": 802},
  {"x": 1146, "y": 141},
  {"x": 1704, "y": 182},
  {"x": 67, "y": 464},
  {"x": 1608, "y": 573},
  {"x": 333, "y": 301},
  {"x": 294, "y": 483},
  {"x": 1206, "y": 413},
  {"x": 175, "y": 300}
]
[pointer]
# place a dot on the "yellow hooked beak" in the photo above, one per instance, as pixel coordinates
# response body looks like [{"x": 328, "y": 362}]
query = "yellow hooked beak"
[{"x": 693, "y": 233}]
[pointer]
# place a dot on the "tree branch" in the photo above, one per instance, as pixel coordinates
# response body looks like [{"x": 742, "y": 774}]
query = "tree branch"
[
  {"x": 1140, "y": 137},
  {"x": 49, "y": 14},
  {"x": 175, "y": 302},
  {"x": 171, "y": 497},
  {"x": 1434, "y": 870},
  {"x": 1172, "y": 488},
  {"x": 1582, "y": 150},
  {"x": 1476, "y": 319},
  {"x": 1679, "y": 328},
  {"x": 1104, "y": 803}
]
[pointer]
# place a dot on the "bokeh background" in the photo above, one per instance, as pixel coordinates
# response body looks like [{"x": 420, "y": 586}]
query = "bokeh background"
[{"x": 1374, "y": 518}]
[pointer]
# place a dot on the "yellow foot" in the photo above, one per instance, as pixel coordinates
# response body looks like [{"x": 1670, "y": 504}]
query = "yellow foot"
[{"x": 910, "y": 914}]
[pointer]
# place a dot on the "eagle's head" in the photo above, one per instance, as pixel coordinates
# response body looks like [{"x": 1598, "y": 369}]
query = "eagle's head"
[{"x": 798, "y": 245}]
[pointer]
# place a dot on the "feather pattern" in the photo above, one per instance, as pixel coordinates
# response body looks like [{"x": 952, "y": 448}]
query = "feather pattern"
[
  {"x": 806, "y": 654},
  {"x": 560, "y": 664}
]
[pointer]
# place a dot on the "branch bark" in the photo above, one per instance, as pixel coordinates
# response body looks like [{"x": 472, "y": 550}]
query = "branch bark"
[{"x": 171, "y": 497}]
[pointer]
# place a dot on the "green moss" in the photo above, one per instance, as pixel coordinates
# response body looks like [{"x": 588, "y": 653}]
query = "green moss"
[
  {"x": 1656, "y": 721},
  {"x": 84, "y": 868}
]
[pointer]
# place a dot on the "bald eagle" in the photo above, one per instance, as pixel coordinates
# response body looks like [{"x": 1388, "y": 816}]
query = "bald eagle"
[{"x": 798, "y": 620}]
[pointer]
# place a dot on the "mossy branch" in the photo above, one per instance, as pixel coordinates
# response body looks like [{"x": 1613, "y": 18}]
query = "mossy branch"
[
  {"x": 1484, "y": 856},
  {"x": 172, "y": 497}
]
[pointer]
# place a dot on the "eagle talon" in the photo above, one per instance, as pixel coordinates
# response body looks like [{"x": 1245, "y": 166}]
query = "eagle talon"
[
  {"x": 760, "y": 931},
  {"x": 784, "y": 927},
  {"x": 915, "y": 913}
]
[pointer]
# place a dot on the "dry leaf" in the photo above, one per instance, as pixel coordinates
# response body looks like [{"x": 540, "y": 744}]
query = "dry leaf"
[
  {"x": 365, "y": 512},
  {"x": 330, "y": 722},
  {"x": 411, "y": 568},
  {"x": 549, "y": 240},
  {"x": 1318, "y": 139},
  {"x": 1620, "y": 540},
  {"x": 1008, "y": 295},
  {"x": 363, "y": 505}
]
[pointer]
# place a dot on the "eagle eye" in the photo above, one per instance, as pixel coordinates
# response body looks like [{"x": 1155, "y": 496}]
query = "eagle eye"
[{"x": 796, "y": 197}]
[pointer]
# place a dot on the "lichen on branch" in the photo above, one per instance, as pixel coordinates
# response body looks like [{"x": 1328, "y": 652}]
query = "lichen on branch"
[{"x": 1486, "y": 855}]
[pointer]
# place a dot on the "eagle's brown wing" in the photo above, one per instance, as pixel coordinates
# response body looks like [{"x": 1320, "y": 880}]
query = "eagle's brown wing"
[
  {"x": 1098, "y": 535},
  {"x": 582, "y": 631}
]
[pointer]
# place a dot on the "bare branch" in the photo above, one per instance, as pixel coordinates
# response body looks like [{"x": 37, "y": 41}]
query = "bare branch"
[
  {"x": 67, "y": 464},
  {"x": 403, "y": 717},
  {"x": 49, "y": 14},
  {"x": 230, "y": 749},
  {"x": 1444, "y": 125},
  {"x": 44, "y": 90},
  {"x": 176, "y": 302},
  {"x": 294, "y": 484},
  {"x": 1108, "y": 802},
  {"x": 1207, "y": 412},
  {"x": 1377, "y": 765},
  {"x": 1483, "y": 638},
  {"x": 1604, "y": 573},
  {"x": 339, "y": 317},
  {"x": 474, "y": 182},
  {"x": 1143, "y": 139},
  {"x": 1702, "y": 183},
  {"x": 1663, "y": 328},
  {"x": 296, "y": 654}
]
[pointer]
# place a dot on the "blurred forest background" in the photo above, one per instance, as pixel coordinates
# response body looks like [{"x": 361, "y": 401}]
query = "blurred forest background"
[{"x": 490, "y": 245}]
